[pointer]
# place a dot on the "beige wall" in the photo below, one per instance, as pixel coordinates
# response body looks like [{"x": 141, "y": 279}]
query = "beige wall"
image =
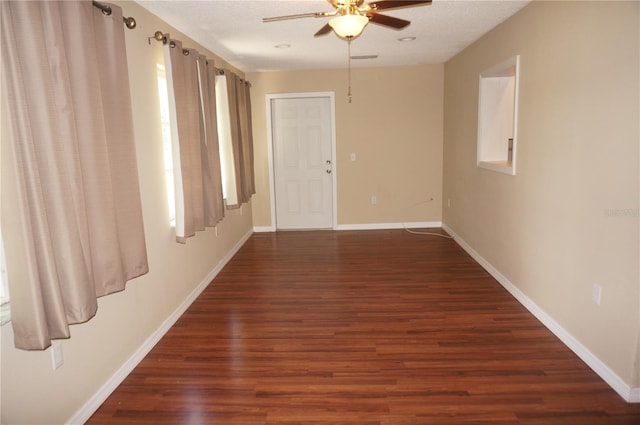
[
  {"x": 569, "y": 218},
  {"x": 393, "y": 125},
  {"x": 31, "y": 391}
]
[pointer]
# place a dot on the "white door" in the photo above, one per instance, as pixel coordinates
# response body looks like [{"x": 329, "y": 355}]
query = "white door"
[{"x": 302, "y": 152}]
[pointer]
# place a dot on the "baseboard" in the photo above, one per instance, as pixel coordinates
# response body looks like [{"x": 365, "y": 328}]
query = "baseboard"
[
  {"x": 367, "y": 226},
  {"x": 382, "y": 226},
  {"x": 609, "y": 376},
  {"x": 89, "y": 408},
  {"x": 264, "y": 229}
]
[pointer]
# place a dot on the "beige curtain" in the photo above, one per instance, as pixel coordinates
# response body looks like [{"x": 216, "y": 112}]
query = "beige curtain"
[
  {"x": 250, "y": 161},
  {"x": 240, "y": 141},
  {"x": 214, "y": 204},
  {"x": 182, "y": 80},
  {"x": 76, "y": 215},
  {"x": 243, "y": 139},
  {"x": 191, "y": 86},
  {"x": 236, "y": 141},
  {"x": 246, "y": 140},
  {"x": 227, "y": 164}
]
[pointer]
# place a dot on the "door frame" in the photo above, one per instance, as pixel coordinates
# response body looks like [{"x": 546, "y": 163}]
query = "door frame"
[{"x": 270, "y": 155}]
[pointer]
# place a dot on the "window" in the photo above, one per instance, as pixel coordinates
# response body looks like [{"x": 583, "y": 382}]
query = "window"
[
  {"x": 497, "y": 117},
  {"x": 5, "y": 314},
  {"x": 166, "y": 143}
]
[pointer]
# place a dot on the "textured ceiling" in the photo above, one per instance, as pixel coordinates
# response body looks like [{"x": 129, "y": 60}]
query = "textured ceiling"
[{"x": 233, "y": 29}]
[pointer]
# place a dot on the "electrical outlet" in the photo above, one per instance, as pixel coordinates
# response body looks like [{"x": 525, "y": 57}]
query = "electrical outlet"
[
  {"x": 57, "y": 359},
  {"x": 596, "y": 294},
  {"x": 353, "y": 156},
  {"x": 374, "y": 200}
]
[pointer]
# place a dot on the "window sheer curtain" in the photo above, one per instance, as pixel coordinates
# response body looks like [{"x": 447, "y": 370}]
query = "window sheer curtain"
[
  {"x": 191, "y": 86},
  {"x": 77, "y": 230}
]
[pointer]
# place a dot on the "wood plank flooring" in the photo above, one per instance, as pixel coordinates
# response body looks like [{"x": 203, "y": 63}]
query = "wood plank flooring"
[{"x": 360, "y": 328}]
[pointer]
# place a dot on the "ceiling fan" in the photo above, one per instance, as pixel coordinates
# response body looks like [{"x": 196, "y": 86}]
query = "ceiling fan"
[{"x": 351, "y": 16}]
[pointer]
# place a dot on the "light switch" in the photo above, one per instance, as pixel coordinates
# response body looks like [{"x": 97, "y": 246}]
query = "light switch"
[{"x": 353, "y": 156}]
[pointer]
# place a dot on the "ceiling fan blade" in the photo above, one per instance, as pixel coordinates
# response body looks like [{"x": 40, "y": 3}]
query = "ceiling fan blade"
[
  {"x": 300, "y": 15},
  {"x": 387, "y": 21},
  {"x": 324, "y": 30},
  {"x": 394, "y": 4}
]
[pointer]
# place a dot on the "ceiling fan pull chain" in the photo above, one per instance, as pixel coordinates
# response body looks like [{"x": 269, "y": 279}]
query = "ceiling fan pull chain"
[{"x": 349, "y": 66}]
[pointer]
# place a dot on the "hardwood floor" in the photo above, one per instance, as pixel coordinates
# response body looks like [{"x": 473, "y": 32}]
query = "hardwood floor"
[{"x": 360, "y": 328}]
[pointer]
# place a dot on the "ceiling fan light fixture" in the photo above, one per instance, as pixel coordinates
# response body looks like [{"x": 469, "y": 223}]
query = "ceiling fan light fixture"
[{"x": 349, "y": 26}]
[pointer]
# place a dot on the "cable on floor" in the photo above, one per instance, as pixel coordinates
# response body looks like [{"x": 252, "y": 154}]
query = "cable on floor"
[{"x": 415, "y": 232}]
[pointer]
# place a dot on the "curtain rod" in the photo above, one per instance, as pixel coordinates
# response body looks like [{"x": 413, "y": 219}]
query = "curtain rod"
[
  {"x": 159, "y": 36},
  {"x": 220, "y": 71},
  {"x": 130, "y": 22}
]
